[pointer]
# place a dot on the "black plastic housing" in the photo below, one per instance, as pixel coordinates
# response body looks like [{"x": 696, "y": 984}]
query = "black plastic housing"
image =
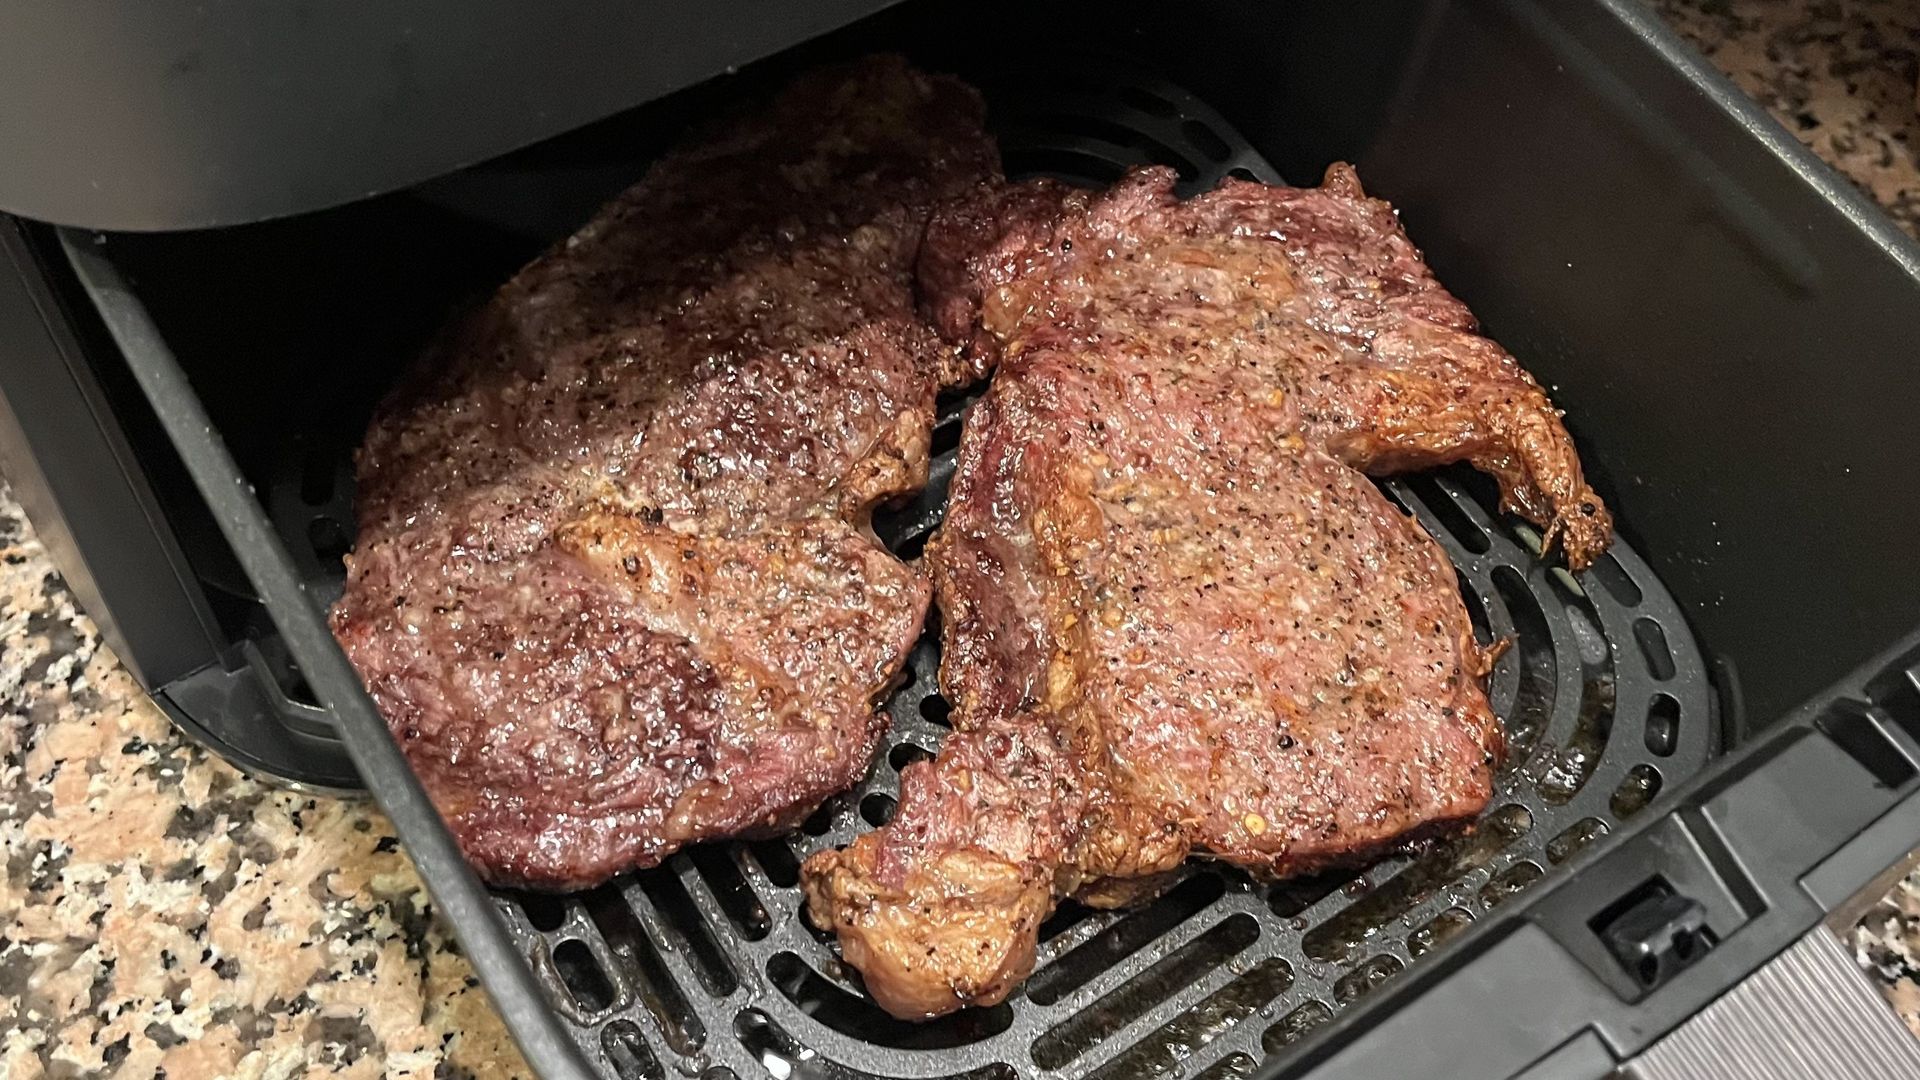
[{"x": 1729, "y": 325}]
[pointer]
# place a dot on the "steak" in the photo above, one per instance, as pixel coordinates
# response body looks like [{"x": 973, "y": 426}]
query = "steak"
[
  {"x": 1177, "y": 616},
  {"x": 615, "y": 587}
]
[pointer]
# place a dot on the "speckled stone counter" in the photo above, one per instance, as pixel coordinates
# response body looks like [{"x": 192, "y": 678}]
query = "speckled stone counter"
[{"x": 161, "y": 915}]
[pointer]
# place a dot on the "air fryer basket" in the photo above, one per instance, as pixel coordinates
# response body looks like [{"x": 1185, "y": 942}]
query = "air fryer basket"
[
  {"x": 707, "y": 967},
  {"x": 709, "y": 962}
]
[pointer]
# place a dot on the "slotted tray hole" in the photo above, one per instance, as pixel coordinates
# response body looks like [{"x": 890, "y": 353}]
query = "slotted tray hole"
[
  {"x": 1069, "y": 927},
  {"x": 1613, "y": 578},
  {"x": 1347, "y": 933},
  {"x": 1653, "y": 645},
  {"x": 1147, "y": 102},
  {"x": 1561, "y": 775},
  {"x": 906, "y": 754},
  {"x": 628, "y": 1053},
  {"x": 1454, "y": 522},
  {"x": 1140, "y": 146},
  {"x": 877, "y": 809},
  {"x": 1509, "y": 883},
  {"x": 1476, "y": 610},
  {"x": 1366, "y": 978},
  {"x": 1235, "y": 1066},
  {"x": 1437, "y": 931},
  {"x": 1205, "y": 140},
  {"x": 1663, "y": 725},
  {"x": 684, "y": 921},
  {"x": 729, "y": 886},
  {"x": 935, "y": 710},
  {"x": 660, "y": 995},
  {"x": 544, "y": 911},
  {"x": 1537, "y": 666},
  {"x": 580, "y": 973},
  {"x": 1172, "y": 973},
  {"x": 856, "y": 1015},
  {"x": 1086, "y": 165},
  {"x": 777, "y": 861},
  {"x": 1173, "y": 1042},
  {"x": 1641, "y": 785},
  {"x": 1290, "y": 897},
  {"x": 1574, "y": 839},
  {"x": 1295, "y": 1026},
  {"x": 820, "y": 822},
  {"x": 1124, "y": 938}
]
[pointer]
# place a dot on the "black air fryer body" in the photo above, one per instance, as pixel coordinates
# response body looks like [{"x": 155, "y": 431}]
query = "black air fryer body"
[{"x": 227, "y": 232}]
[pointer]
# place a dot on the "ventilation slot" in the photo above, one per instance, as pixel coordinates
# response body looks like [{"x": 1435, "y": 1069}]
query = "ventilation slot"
[
  {"x": 1653, "y": 646},
  {"x": 1635, "y": 792},
  {"x": 1173, "y": 1042},
  {"x": 1028, "y": 161},
  {"x": 628, "y": 1052},
  {"x": 730, "y": 887},
  {"x": 688, "y": 927},
  {"x": 913, "y": 546},
  {"x": 1447, "y": 514},
  {"x": 1120, "y": 136},
  {"x": 1538, "y": 670},
  {"x": 1562, "y": 776},
  {"x": 1147, "y": 102},
  {"x": 580, "y": 973},
  {"x": 1235, "y": 1066},
  {"x": 857, "y": 1015},
  {"x": 1509, "y": 883},
  {"x": 1438, "y": 931},
  {"x": 1294, "y": 1026},
  {"x": 935, "y": 710},
  {"x": 1346, "y": 934},
  {"x": 1294, "y": 895},
  {"x": 633, "y": 948},
  {"x": 1137, "y": 996},
  {"x": 1123, "y": 939},
  {"x": 1663, "y": 724},
  {"x": 1055, "y": 935},
  {"x": 329, "y": 539},
  {"x": 1362, "y": 980},
  {"x": 544, "y": 913},
  {"x": 1476, "y": 610},
  {"x": 877, "y": 809},
  {"x": 1204, "y": 140},
  {"x": 820, "y": 822},
  {"x": 1574, "y": 839},
  {"x": 906, "y": 754},
  {"x": 316, "y": 478},
  {"x": 777, "y": 862}
]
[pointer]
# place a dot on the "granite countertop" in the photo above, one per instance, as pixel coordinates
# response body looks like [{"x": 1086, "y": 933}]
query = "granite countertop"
[{"x": 176, "y": 919}]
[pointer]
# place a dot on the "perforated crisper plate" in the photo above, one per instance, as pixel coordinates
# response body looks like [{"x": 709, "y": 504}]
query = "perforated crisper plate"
[{"x": 706, "y": 966}]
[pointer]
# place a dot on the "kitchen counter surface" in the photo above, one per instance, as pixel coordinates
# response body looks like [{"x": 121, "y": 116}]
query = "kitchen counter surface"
[{"x": 176, "y": 919}]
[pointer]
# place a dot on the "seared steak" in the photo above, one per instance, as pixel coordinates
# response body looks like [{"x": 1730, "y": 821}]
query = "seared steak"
[
  {"x": 1176, "y": 615},
  {"x": 614, "y": 586}
]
